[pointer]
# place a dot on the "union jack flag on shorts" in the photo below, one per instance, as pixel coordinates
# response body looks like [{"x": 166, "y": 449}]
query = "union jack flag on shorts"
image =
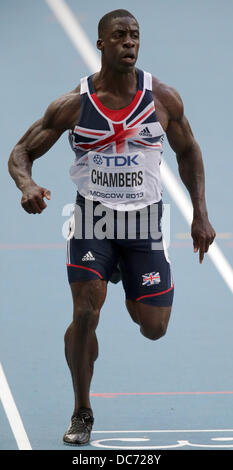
[{"x": 150, "y": 279}]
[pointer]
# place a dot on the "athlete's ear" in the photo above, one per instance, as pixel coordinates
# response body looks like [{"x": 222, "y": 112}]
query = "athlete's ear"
[{"x": 100, "y": 44}]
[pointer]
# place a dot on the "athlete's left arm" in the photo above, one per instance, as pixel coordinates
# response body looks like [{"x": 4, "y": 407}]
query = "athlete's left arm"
[{"x": 191, "y": 170}]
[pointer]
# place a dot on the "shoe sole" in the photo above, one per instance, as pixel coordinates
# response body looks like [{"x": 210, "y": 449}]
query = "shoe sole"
[{"x": 73, "y": 444}]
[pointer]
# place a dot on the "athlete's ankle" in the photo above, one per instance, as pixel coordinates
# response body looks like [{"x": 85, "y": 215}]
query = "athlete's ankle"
[{"x": 82, "y": 410}]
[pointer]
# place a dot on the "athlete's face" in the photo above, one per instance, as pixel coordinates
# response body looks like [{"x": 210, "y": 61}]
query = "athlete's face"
[{"x": 120, "y": 44}]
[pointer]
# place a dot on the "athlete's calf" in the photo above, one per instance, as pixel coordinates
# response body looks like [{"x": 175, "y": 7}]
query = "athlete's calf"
[{"x": 81, "y": 346}]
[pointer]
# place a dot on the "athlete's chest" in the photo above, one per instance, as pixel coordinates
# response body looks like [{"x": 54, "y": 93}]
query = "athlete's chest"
[
  {"x": 116, "y": 124},
  {"x": 116, "y": 102},
  {"x": 113, "y": 102}
]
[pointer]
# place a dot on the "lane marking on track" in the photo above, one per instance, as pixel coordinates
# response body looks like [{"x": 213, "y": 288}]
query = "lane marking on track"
[
  {"x": 75, "y": 32},
  {"x": 32, "y": 246},
  {"x": 116, "y": 394},
  {"x": 147, "y": 441},
  {"x": 12, "y": 413},
  {"x": 183, "y": 203},
  {"x": 163, "y": 430},
  {"x": 83, "y": 45}
]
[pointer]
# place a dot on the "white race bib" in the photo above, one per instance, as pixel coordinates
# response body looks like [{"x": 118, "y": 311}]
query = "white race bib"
[{"x": 116, "y": 174}]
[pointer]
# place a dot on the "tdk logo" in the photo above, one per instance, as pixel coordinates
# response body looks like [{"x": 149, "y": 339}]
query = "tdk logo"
[
  {"x": 98, "y": 159},
  {"x": 119, "y": 160}
]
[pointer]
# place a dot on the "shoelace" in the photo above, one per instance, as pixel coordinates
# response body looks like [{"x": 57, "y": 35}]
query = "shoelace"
[{"x": 80, "y": 423}]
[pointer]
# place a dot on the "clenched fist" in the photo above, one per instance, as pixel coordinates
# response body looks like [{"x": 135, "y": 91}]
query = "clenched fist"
[{"x": 33, "y": 198}]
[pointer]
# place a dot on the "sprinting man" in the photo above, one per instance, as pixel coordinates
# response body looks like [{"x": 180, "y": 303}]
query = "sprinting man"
[{"x": 117, "y": 119}]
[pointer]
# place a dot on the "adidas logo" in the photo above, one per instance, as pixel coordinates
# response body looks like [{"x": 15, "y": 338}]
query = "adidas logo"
[
  {"x": 88, "y": 257},
  {"x": 145, "y": 132}
]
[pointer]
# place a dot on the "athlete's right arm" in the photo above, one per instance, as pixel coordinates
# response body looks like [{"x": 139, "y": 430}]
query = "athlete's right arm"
[{"x": 61, "y": 115}]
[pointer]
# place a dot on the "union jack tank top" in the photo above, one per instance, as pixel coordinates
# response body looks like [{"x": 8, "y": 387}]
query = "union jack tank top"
[{"x": 118, "y": 152}]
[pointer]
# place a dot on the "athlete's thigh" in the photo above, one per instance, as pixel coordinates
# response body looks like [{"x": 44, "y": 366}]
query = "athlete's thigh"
[
  {"x": 88, "y": 256},
  {"x": 150, "y": 317},
  {"x": 88, "y": 295},
  {"x": 146, "y": 274}
]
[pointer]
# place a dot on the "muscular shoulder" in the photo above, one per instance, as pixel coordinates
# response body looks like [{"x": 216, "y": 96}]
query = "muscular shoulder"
[
  {"x": 63, "y": 112},
  {"x": 169, "y": 99}
]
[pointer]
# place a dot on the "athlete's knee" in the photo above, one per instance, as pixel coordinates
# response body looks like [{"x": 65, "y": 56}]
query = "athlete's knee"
[
  {"x": 86, "y": 317},
  {"x": 153, "y": 320},
  {"x": 154, "y": 332}
]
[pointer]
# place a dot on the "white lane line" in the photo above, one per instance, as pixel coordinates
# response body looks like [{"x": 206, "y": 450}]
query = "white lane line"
[
  {"x": 75, "y": 32},
  {"x": 81, "y": 42},
  {"x": 185, "y": 206},
  {"x": 12, "y": 413},
  {"x": 164, "y": 430}
]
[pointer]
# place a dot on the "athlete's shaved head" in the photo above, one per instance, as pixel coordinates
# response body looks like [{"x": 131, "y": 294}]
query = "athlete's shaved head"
[{"x": 105, "y": 20}]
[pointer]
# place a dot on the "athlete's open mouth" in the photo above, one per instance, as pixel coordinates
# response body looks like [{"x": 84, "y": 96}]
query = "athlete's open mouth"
[{"x": 128, "y": 57}]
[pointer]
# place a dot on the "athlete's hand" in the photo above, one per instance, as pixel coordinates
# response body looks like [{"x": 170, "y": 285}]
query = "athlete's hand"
[
  {"x": 203, "y": 235},
  {"x": 33, "y": 198}
]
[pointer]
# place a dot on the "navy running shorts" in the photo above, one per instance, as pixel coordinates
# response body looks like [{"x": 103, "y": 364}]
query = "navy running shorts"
[{"x": 100, "y": 239}]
